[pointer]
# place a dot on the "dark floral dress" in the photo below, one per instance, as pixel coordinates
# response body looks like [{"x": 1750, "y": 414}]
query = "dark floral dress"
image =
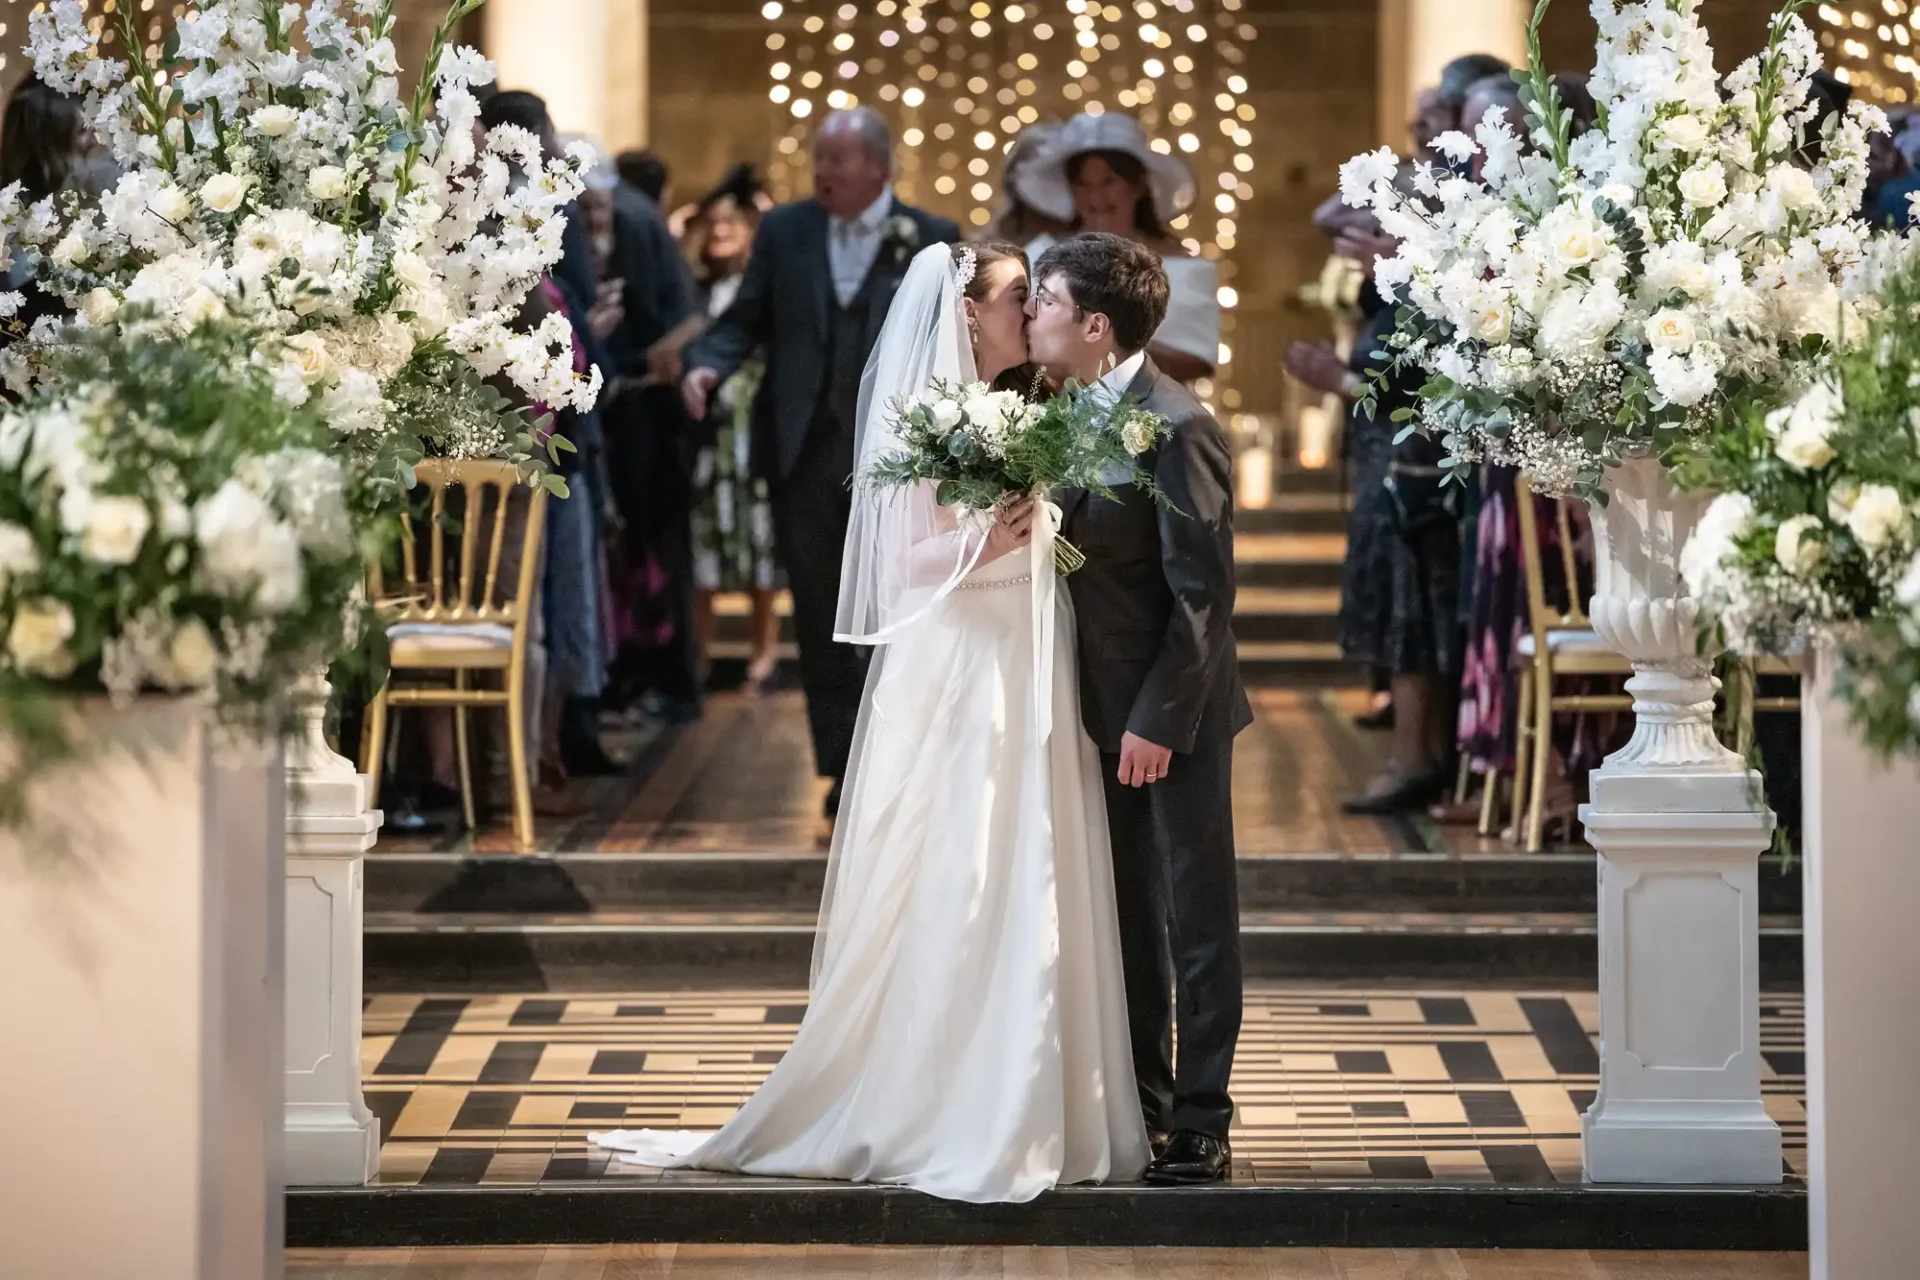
[{"x": 732, "y": 516}]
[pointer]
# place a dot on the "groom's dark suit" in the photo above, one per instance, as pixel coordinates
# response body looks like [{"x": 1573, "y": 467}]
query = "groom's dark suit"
[
  {"x": 803, "y": 423},
  {"x": 1155, "y": 611}
]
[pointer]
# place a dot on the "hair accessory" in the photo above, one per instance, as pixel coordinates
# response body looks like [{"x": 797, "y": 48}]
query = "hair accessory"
[{"x": 965, "y": 265}]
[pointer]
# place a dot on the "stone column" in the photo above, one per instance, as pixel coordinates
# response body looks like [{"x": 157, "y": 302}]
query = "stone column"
[
  {"x": 1418, "y": 37},
  {"x": 332, "y": 1139},
  {"x": 1862, "y": 877},
  {"x": 1679, "y": 825},
  {"x": 587, "y": 58}
]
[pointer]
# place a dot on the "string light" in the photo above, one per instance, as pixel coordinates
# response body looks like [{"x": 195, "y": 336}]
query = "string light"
[
  {"x": 959, "y": 80},
  {"x": 1872, "y": 47}
]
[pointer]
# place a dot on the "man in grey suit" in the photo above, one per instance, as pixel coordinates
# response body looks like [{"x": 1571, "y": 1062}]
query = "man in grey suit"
[
  {"x": 817, "y": 288},
  {"x": 1160, "y": 694}
]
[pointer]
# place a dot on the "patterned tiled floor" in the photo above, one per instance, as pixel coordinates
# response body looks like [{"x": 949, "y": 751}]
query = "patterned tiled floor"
[{"x": 1332, "y": 1084}]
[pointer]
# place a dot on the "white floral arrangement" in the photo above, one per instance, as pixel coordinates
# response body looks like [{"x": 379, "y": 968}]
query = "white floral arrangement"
[
  {"x": 1817, "y": 527},
  {"x": 168, "y": 524},
  {"x": 1626, "y": 290},
  {"x": 272, "y": 173}
]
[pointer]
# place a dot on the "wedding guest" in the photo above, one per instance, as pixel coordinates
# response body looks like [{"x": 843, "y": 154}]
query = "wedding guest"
[
  {"x": 819, "y": 280},
  {"x": 1102, "y": 174},
  {"x": 1019, "y": 222},
  {"x": 733, "y": 516},
  {"x": 45, "y": 147},
  {"x": 645, "y": 172}
]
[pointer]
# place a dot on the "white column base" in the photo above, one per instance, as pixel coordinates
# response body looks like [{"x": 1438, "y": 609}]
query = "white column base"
[
  {"x": 332, "y": 1139},
  {"x": 1863, "y": 964},
  {"x": 1679, "y": 1099}
]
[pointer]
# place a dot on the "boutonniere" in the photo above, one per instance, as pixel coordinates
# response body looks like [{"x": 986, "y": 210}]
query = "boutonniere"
[{"x": 902, "y": 235}]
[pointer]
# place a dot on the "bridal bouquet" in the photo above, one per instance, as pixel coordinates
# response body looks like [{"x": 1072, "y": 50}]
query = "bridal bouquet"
[
  {"x": 273, "y": 173},
  {"x": 1627, "y": 290},
  {"x": 168, "y": 522},
  {"x": 1817, "y": 528}
]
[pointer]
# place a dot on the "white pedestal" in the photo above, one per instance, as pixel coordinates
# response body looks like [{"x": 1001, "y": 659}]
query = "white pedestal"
[
  {"x": 1862, "y": 873},
  {"x": 1679, "y": 1098},
  {"x": 332, "y": 1139},
  {"x": 1679, "y": 823},
  {"x": 140, "y": 923}
]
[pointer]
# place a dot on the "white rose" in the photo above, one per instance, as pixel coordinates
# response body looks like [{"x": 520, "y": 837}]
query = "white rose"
[
  {"x": 100, "y": 307},
  {"x": 946, "y": 414},
  {"x": 18, "y": 553},
  {"x": 1798, "y": 552},
  {"x": 171, "y": 204},
  {"x": 246, "y": 547},
  {"x": 116, "y": 527},
  {"x": 201, "y": 306},
  {"x": 37, "y": 641},
  {"x": 224, "y": 192},
  {"x": 1801, "y": 429},
  {"x": 1578, "y": 243},
  {"x": 308, "y": 353},
  {"x": 411, "y": 270},
  {"x": 275, "y": 121},
  {"x": 985, "y": 413},
  {"x": 1840, "y": 501},
  {"x": 1878, "y": 518},
  {"x": 1138, "y": 434},
  {"x": 329, "y": 182},
  {"x": 71, "y": 251},
  {"x": 1491, "y": 320},
  {"x": 1793, "y": 187},
  {"x": 1683, "y": 133},
  {"x": 190, "y": 657},
  {"x": 1704, "y": 186},
  {"x": 1671, "y": 331}
]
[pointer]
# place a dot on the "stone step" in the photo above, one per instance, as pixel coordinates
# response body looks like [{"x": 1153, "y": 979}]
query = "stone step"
[
  {"x": 441, "y": 884},
  {"x": 610, "y": 951},
  {"x": 1297, "y": 664},
  {"x": 1306, "y": 512},
  {"x": 1304, "y": 614}
]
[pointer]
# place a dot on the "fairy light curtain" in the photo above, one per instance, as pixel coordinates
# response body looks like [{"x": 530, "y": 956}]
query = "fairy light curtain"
[
  {"x": 1873, "y": 47},
  {"x": 959, "y": 79}
]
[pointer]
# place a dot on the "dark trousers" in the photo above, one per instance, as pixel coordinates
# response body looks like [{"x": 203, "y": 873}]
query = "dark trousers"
[
  {"x": 1179, "y": 909},
  {"x": 811, "y": 508}
]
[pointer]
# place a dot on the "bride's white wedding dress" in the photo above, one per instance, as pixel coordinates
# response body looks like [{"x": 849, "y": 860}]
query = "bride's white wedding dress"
[{"x": 966, "y": 1032}]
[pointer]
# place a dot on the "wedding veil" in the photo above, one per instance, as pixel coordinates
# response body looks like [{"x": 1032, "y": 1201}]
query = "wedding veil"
[{"x": 904, "y": 552}]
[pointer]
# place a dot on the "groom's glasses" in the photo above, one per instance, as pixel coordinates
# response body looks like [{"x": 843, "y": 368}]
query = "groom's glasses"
[{"x": 1045, "y": 297}]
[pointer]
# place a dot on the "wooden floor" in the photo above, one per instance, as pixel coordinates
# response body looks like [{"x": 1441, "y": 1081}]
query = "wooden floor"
[{"x": 688, "y": 1262}]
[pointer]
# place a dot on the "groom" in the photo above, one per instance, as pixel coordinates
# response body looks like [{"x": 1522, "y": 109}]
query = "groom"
[{"x": 1160, "y": 694}]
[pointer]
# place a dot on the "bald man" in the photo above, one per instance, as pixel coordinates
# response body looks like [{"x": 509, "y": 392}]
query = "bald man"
[{"x": 823, "y": 273}]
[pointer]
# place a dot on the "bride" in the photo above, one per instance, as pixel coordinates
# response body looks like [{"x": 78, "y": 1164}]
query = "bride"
[{"x": 966, "y": 1032}]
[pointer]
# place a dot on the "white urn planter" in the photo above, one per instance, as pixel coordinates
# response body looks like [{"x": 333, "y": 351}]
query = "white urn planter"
[
  {"x": 1679, "y": 825},
  {"x": 1862, "y": 876},
  {"x": 140, "y": 935},
  {"x": 332, "y": 1138}
]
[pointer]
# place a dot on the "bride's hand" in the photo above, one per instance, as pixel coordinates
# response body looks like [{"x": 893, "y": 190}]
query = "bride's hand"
[{"x": 1012, "y": 529}]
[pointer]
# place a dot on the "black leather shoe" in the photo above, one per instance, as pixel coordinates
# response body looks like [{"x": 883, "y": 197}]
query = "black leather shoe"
[
  {"x": 1409, "y": 793},
  {"x": 1157, "y": 1140},
  {"x": 1191, "y": 1159}
]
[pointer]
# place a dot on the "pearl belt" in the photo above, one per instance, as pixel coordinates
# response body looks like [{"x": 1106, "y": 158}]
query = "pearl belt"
[{"x": 989, "y": 583}]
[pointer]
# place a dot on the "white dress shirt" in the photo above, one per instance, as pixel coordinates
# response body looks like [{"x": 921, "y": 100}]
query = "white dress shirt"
[
  {"x": 1110, "y": 390},
  {"x": 853, "y": 244}
]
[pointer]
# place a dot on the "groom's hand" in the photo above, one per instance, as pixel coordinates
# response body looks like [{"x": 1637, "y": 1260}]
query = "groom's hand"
[
  {"x": 696, "y": 389},
  {"x": 1142, "y": 762}
]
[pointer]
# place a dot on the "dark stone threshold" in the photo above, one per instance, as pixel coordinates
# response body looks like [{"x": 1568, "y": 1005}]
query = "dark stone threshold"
[{"x": 1320, "y": 1216}]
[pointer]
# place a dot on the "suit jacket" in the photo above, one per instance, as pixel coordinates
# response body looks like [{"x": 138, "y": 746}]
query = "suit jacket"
[
  {"x": 1155, "y": 598},
  {"x": 782, "y": 308},
  {"x": 659, "y": 293}
]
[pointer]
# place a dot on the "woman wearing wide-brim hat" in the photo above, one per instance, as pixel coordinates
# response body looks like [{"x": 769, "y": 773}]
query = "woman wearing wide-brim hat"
[{"x": 1102, "y": 174}]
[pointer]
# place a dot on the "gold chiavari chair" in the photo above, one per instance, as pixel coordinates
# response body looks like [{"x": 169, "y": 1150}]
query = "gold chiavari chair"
[
  {"x": 1556, "y": 644},
  {"x": 476, "y": 619}
]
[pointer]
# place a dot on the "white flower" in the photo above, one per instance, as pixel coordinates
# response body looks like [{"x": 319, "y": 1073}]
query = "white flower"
[
  {"x": 1879, "y": 518},
  {"x": 1840, "y": 501},
  {"x": 308, "y": 353},
  {"x": 1704, "y": 186},
  {"x": 946, "y": 413},
  {"x": 171, "y": 204},
  {"x": 329, "y": 182},
  {"x": 1490, "y": 318},
  {"x": 1671, "y": 331},
  {"x": 72, "y": 250},
  {"x": 1456, "y": 146},
  {"x": 1801, "y": 429},
  {"x": 190, "y": 659},
  {"x": 1702, "y": 561},
  {"x": 354, "y": 404},
  {"x": 275, "y": 121},
  {"x": 411, "y": 270},
  {"x": 224, "y": 192},
  {"x": 1137, "y": 434},
  {"x": 1578, "y": 323},
  {"x": 116, "y": 527},
  {"x": 1683, "y": 133},
  {"x": 1798, "y": 552},
  {"x": 985, "y": 414},
  {"x": 201, "y": 306},
  {"x": 37, "y": 640},
  {"x": 1683, "y": 380},
  {"x": 1793, "y": 187},
  {"x": 1574, "y": 239},
  {"x": 18, "y": 554},
  {"x": 1360, "y": 175},
  {"x": 100, "y": 306},
  {"x": 246, "y": 548}
]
